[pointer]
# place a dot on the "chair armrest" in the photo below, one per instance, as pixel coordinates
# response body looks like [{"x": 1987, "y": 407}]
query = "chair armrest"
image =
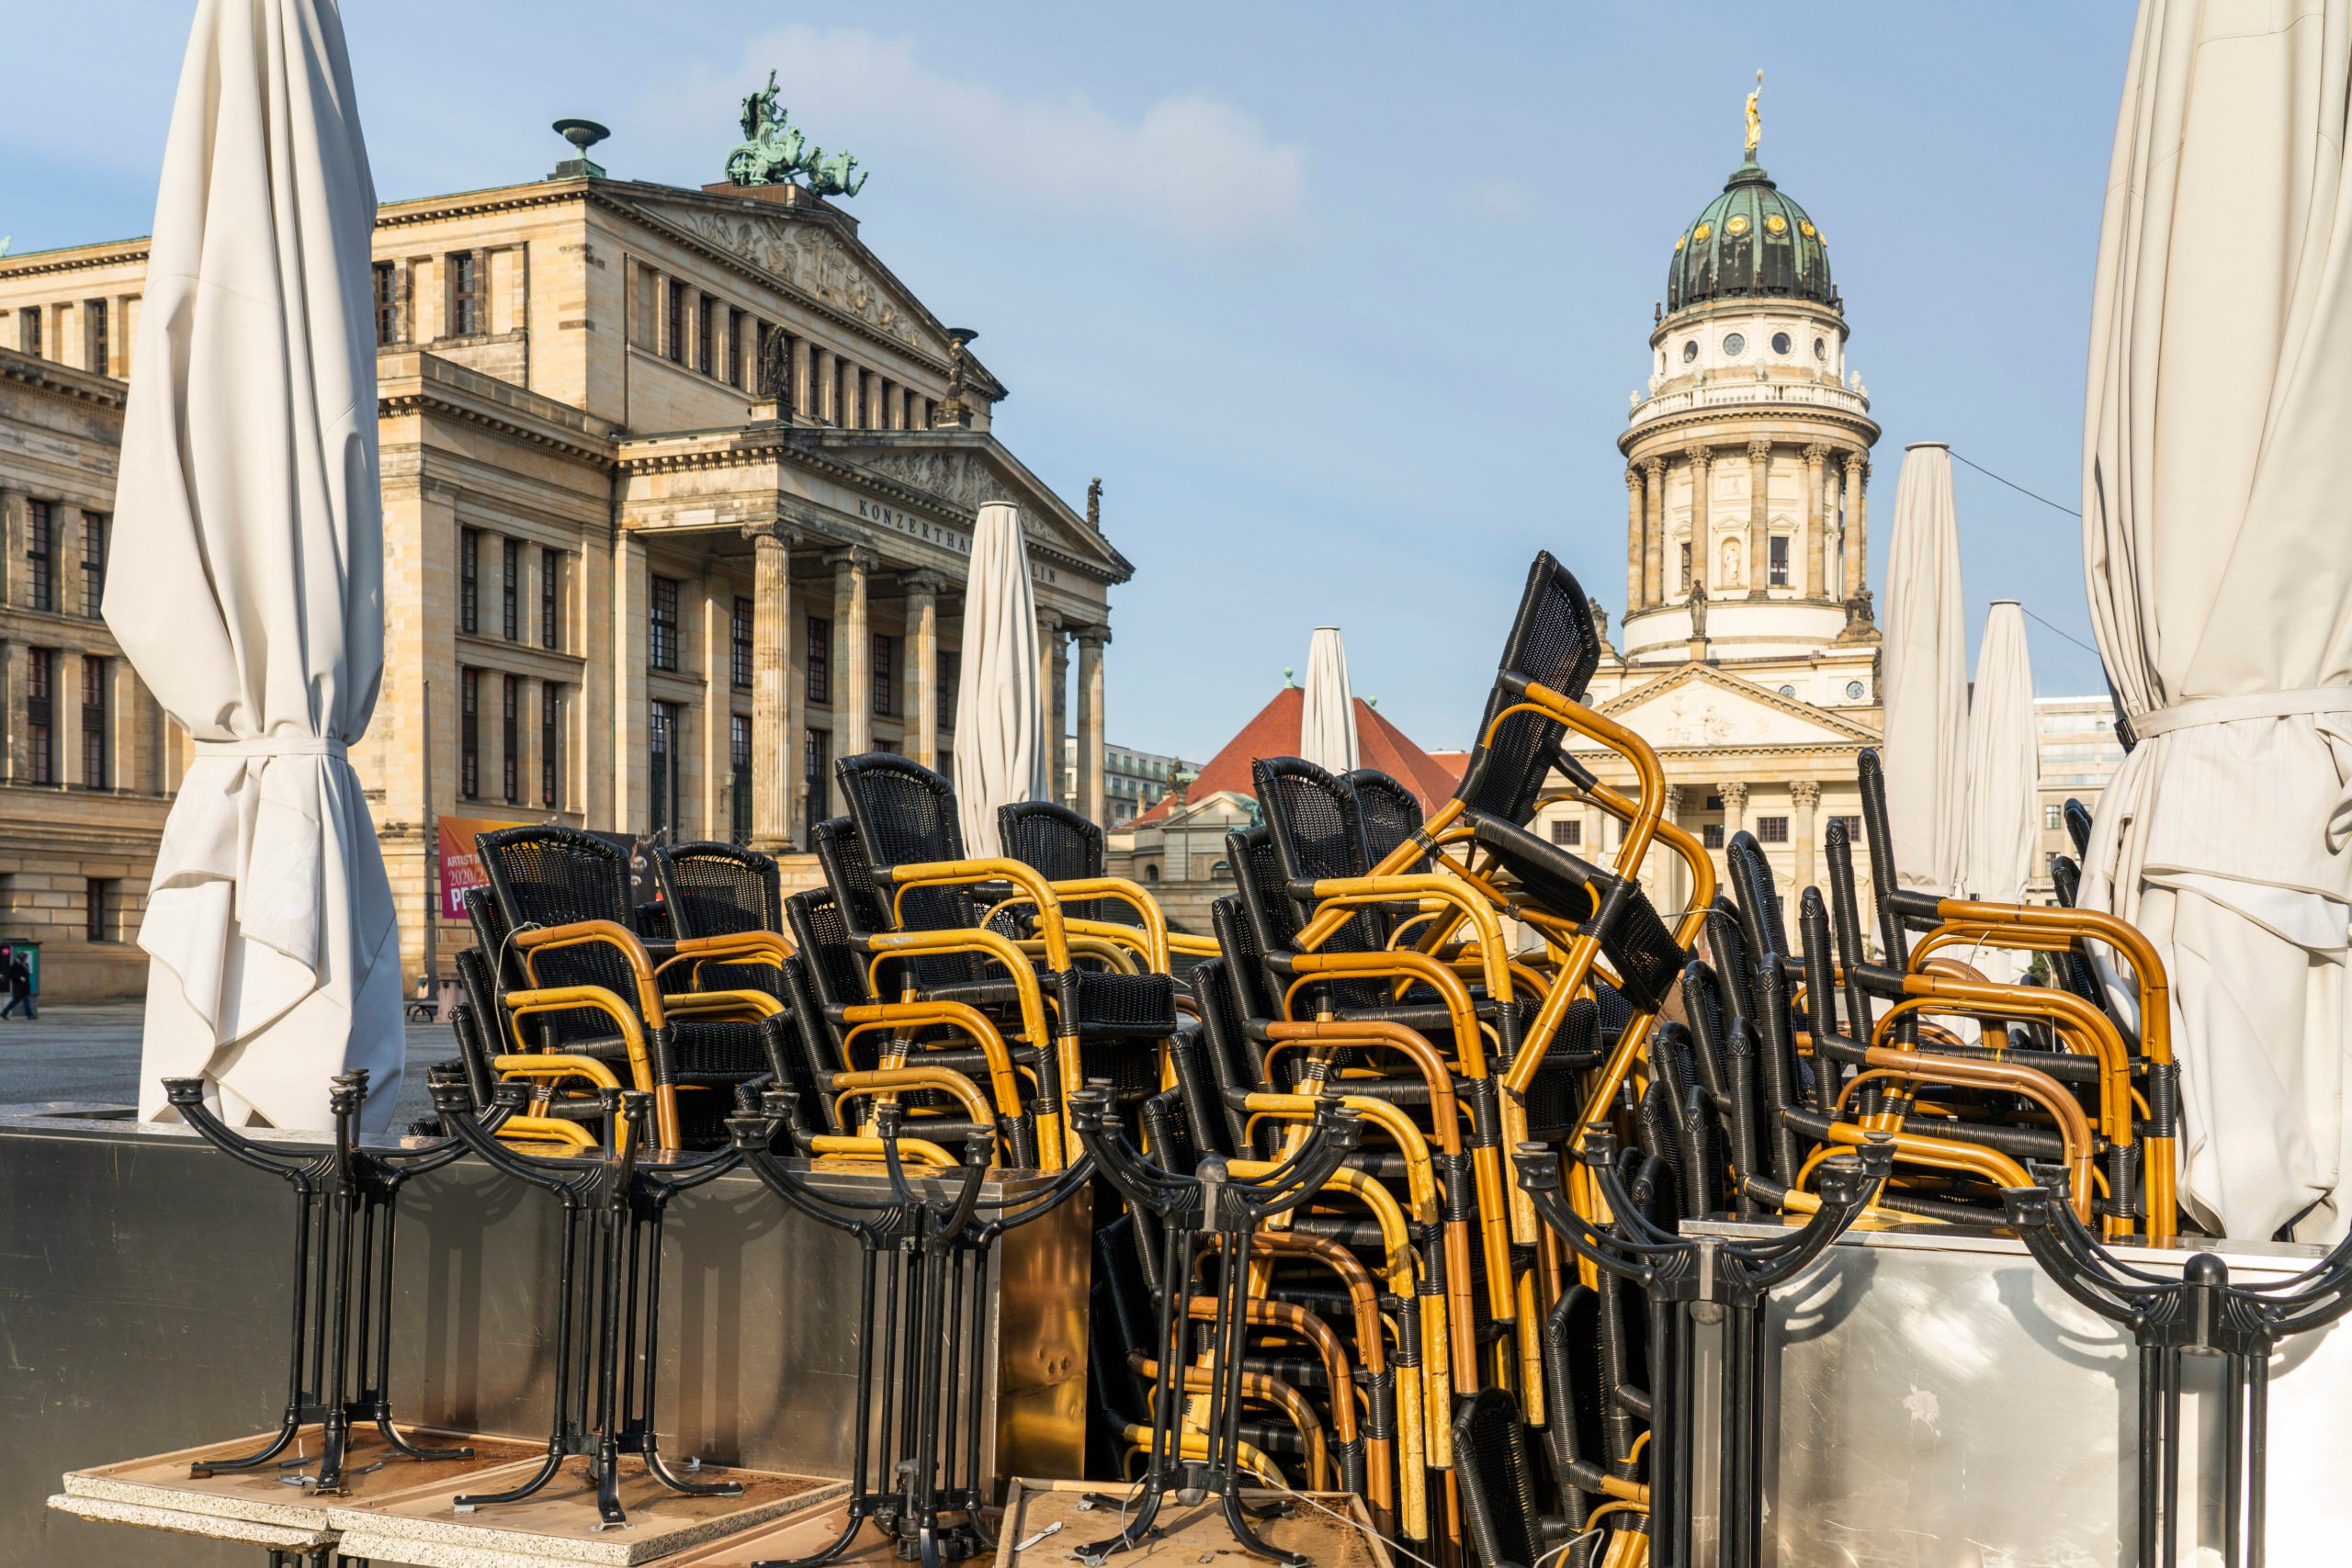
[
  {"x": 964, "y": 872},
  {"x": 534, "y": 941}
]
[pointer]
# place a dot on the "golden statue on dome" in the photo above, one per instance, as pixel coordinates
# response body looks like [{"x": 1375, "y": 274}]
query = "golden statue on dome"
[{"x": 1754, "y": 120}]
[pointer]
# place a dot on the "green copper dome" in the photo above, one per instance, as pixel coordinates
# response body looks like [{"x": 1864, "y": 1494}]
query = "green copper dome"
[{"x": 1751, "y": 241}]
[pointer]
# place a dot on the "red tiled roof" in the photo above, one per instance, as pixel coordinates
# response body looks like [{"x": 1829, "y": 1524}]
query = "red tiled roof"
[{"x": 1274, "y": 733}]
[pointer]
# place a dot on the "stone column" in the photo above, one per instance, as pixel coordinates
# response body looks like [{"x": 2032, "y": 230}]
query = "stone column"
[
  {"x": 1857, "y": 561},
  {"x": 1833, "y": 557},
  {"x": 803, "y": 394},
  {"x": 16, "y": 758},
  {"x": 1634, "y": 600},
  {"x": 631, "y": 720},
  {"x": 1702, "y": 482},
  {"x": 922, "y": 659},
  {"x": 1759, "y": 477},
  {"x": 1051, "y": 663},
  {"x": 1092, "y": 776},
  {"x": 853, "y": 653},
  {"x": 775, "y": 741},
  {"x": 1674, "y": 878},
  {"x": 825, "y": 402},
  {"x": 853, "y": 414},
  {"x": 1735, "y": 807},
  {"x": 1654, "y": 531},
  {"x": 1816, "y": 527},
  {"x": 1806, "y": 795}
]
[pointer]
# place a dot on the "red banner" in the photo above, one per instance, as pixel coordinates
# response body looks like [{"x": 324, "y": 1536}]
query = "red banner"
[{"x": 460, "y": 867}]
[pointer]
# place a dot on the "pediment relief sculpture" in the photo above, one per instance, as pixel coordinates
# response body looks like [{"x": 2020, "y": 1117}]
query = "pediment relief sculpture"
[{"x": 812, "y": 259}]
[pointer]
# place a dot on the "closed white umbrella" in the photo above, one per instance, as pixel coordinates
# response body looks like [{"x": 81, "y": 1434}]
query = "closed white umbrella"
[
  {"x": 1925, "y": 675},
  {"x": 246, "y": 584},
  {"x": 2219, "y": 569},
  {"x": 1327, "y": 720},
  {"x": 999, "y": 711},
  {"x": 2003, "y": 777}
]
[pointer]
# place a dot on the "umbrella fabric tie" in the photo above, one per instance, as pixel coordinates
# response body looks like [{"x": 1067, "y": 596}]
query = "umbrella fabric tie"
[
  {"x": 2201, "y": 711},
  {"x": 274, "y": 746}
]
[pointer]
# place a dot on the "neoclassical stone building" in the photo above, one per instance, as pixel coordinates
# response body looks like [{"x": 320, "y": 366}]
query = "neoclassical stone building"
[
  {"x": 1747, "y": 653},
  {"x": 624, "y": 590}
]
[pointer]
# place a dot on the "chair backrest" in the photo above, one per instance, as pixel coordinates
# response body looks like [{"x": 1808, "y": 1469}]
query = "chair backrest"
[
  {"x": 865, "y": 903},
  {"x": 714, "y": 889},
  {"x": 829, "y": 964},
  {"x": 1313, "y": 817},
  {"x": 1234, "y": 1060},
  {"x": 2078, "y": 818},
  {"x": 544, "y": 876},
  {"x": 1552, "y": 643},
  {"x": 479, "y": 1037},
  {"x": 1757, "y": 892},
  {"x": 1877, "y": 828},
  {"x": 1388, "y": 813},
  {"x": 1060, "y": 846},
  {"x": 1500, "y": 1501},
  {"x": 905, "y": 815}
]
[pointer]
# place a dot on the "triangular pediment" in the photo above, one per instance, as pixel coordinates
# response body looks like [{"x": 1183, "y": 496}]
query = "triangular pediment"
[
  {"x": 1699, "y": 707},
  {"x": 966, "y": 470},
  {"x": 809, "y": 255}
]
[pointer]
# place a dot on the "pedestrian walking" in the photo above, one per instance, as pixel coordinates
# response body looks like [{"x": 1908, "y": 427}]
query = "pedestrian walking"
[{"x": 20, "y": 989}]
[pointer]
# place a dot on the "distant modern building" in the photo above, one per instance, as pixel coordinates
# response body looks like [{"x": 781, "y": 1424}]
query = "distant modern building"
[
  {"x": 1133, "y": 782},
  {"x": 2079, "y": 754}
]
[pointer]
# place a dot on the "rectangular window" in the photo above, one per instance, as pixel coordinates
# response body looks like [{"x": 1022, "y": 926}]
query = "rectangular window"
[
  {"x": 94, "y": 563},
  {"x": 1686, "y": 566},
  {"x": 465, "y": 294},
  {"x": 97, "y": 341},
  {"x": 818, "y": 759},
  {"x": 510, "y": 589},
  {"x": 388, "y": 303},
  {"x": 950, "y": 675},
  {"x": 28, "y": 331},
  {"x": 1771, "y": 830},
  {"x": 821, "y": 660},
  {"x": 469, "y": 734},
  {"x": 738, "y": 331},
  {"x": 2054, "y": 817},
  {"x": 885, "y": 685},
  {"x": 1568, "y": 832},
  {"x": 706, "y": 329},
  {"x": 1780, "y": 559},
  {"x": 1715, "y": 802},
  {"x": 97, "y": 687},
  {"x": 738, "y": 644},
  {"x": 41, "y": 715},
  {"x": 1853, "y": 826},
  {"x": 739, "y": 770},
  {"x": 510, "y": 740},
  {"x": 40, "y": 556},
  {"x": 661, "y": 772},
  {"x": 550, "y": 598},
  {"x": 679, "y": 305},
  {"x": 1710, "y": 835},
  {"x": 470, "y": 580},
  {"x": 551, "y": 745},
  {"x": 100, "y": 921},
  {"x": 664, "y": 640}
]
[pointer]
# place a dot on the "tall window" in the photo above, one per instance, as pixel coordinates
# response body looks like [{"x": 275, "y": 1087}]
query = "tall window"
[
  {"x": 100, "y": 919},
  {"x": 739, "y": 330},
  {"x": 470, "y": 580},
  {"x": 1686, "y": 566},
  {"x": 1780, "y": 560},
  {"x": 41, "y": 715},
  {"x": 821, "y": 660},
  {"x": 97, "y": 340},
  {"x": 98, "y": 685},
  {"x": 1771, "y": 830},
  {"x": 387, "y": 302},
  {"x": 663, "y": 768},
  {"x": 738, "y": 644},
  {"x": 41, "y": 555},
  {"x": 706, "y": 329},
  {"x": 510, "y": 589},
  {"x": 1710, "y": 835},
  {"x": 2054, "y": 817},
  {"x": 886, "y": 669},
  {"x": 738, "y": 769},
  {"x": 817, "y": 758},
  {"x": 510, "y": 739},
  {"x": 469, "y": 734},
  {"x": 950, "y": 675},
  {"x": 550, "y": 598},
  {"x": 664, "y": 640},
  {"x": 28, "y": 329},
  {"x": 551, "y": 745},
  {"x": 94, "y": 563},
  {"x": 465, "y": 294},
  {"x": 680, "y": 304}
]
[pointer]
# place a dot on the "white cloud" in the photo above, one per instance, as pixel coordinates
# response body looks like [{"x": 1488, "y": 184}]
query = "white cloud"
[
  {"x": 1496, "y": 196},
  {"x": 1196, "y": 173}
]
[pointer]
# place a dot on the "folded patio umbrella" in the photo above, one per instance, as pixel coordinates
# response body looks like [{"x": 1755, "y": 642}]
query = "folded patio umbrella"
[
  {"x": 246, "y": 586},
  {"x": 2004, "y": 767},
  {"x": 999, "y": 712},
  {"x": 2220, "y": 570},
  {"x": 1326, "y": 725},
  {"x": 1925, "y": 675}
]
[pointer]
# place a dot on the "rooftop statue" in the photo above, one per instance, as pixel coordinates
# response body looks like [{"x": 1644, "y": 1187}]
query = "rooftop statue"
[
  {"x": 773, "y": 151},
  {"x": 1754, "y": 120}
]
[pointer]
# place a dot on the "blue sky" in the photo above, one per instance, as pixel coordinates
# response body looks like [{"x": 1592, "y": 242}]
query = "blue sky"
[{"x": 1343, "y": 302}]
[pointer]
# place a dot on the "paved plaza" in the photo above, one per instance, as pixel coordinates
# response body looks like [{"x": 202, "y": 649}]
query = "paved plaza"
[{"x": 90, "y": 1052}]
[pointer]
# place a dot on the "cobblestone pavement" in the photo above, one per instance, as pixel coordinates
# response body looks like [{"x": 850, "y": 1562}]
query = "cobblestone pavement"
[{"x": 90, "y": 1052}]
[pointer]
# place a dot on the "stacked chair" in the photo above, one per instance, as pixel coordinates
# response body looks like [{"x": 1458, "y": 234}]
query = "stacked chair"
[{"x": 1392, "y": 1190}]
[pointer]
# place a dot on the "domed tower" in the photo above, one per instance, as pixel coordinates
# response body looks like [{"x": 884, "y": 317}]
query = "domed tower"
[{"x": 1746, "y": 462}]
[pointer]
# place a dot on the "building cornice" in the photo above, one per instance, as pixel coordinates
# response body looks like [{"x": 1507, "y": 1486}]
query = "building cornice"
[
  {"x": 413, "y": 382},
  {"x": 47, "y": 375}
]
